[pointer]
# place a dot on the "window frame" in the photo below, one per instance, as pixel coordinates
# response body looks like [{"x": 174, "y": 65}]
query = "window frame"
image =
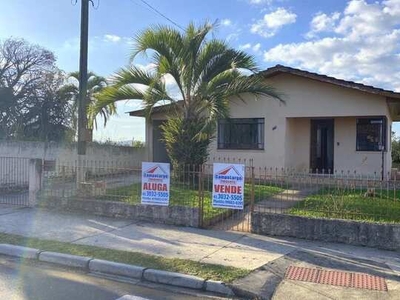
[
  {"x": 258, "y": 122},
  {"x": 384, "y": 133}
]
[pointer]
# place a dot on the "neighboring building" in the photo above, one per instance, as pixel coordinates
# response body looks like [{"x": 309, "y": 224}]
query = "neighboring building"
[{"x": 325, "y": 125}]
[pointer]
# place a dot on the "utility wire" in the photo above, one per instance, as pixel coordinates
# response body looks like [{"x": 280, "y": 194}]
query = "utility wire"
[{"x": 160, "y": 14}]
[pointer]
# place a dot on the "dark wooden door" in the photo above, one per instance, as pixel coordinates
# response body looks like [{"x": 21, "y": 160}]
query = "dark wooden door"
[{"x": 321, "y": 148}]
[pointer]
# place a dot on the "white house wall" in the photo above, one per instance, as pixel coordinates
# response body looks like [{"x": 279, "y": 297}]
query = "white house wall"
[
  {"x": 287, "y": 126},
  {"x": 297, "y": 147},
  {"x": 311, "y": 98},
  {"x": 273, "y": 154}
]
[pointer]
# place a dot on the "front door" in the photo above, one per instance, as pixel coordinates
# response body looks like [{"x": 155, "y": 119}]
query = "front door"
[
  {"x": 321, "y": 148},
  {"x": 159, "y": 151}
]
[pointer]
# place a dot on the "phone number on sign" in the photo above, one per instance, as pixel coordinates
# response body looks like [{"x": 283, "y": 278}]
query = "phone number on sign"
[
  {"x": 154, "y": 194},
  {"x": 228, "y": 197}
]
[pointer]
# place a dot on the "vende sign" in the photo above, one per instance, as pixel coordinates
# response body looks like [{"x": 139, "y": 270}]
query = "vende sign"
[
  {"x": 228, "y": 186},
  {"x": 155, "y": 183}
]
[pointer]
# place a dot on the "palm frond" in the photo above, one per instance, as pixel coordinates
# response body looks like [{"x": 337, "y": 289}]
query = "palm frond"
[
  {"x": 133, "y": 75},
  {"x": 96, "y": 83},
  {"x": 165, "y": 67},
  {"x": 165, "y": 40},
  {"x": 133, "y": 84},
  {"x": 114, "y": 94},
  {"x": 193, "y": 42},
  {"x": 226, "y": 60},
  {"x": 255, "y": 85}
]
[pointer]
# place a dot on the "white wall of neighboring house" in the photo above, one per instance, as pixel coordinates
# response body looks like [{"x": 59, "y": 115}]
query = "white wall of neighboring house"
[
  {"x": 15, "y": 155},
  {"x": 287, "y": 126},
  {"x": 65, "y": 154}
]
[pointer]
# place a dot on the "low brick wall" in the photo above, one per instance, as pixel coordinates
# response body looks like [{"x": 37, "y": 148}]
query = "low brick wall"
[
  {"x": 384, "y": 236},
  {"x": 173, "y": 215}
]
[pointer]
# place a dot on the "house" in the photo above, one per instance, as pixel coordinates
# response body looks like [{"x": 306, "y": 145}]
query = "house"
[{"x": 325, "y": 125}]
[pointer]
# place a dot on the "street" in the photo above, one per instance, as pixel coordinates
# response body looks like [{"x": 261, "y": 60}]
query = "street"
[{"x": 35, "y": 281}]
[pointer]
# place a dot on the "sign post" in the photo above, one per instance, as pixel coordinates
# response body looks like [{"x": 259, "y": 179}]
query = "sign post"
[
  {"x": 155, "y": 183},
  {"x": 228, "y": 186}
]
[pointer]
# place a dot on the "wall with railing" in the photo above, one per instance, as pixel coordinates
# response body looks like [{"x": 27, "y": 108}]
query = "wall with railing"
[
  {"x": 339, "y": 195},
  {"x": 13, "y": 174},
  {"x": 57, "y": 156}
]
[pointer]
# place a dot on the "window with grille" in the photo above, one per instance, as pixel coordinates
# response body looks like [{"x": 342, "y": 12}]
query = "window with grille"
[
  {"x": 241, "y": 133},
  {"x": 371, "y": 134}
]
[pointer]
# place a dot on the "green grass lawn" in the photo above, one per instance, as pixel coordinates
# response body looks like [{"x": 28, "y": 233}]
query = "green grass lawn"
[
  {"x": 182, "y": 194},
  {"x": 207, "y": 271},
  {"x": 383, "y": 207}
]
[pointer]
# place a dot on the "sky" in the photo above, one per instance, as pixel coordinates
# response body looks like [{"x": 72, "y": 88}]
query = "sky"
[{"x": 355, "y": 40}]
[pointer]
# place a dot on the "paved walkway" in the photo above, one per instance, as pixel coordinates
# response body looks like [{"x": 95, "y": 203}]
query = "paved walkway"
[
  {"x": 285, "y": 200},
  {"x": 235, "y": 249}
]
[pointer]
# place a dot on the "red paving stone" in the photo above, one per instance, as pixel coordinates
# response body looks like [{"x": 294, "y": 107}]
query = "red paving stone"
[{"x": 337, "y": 278}]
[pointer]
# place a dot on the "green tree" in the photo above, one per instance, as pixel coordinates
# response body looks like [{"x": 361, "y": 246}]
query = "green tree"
[
  {"x": 207, "y": 74},
  {"x": 95, "y": 85},
  {"x": 137, "y": 144},
  {"x": 49, "y": 114},
  {"x": 395, "y": 150}
]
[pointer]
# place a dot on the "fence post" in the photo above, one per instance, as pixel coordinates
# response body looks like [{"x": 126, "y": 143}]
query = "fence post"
[
  {"x": 80, "y": 172},
  {"x": 35, "y": 180},
  {"x": 252, "y": 188},
  {"x": 201, "y": 196}
]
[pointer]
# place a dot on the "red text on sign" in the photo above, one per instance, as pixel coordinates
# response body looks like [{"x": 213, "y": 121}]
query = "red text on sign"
[
  {"x": 155, "y": 186},
  {"x": 228, "y": 189}
]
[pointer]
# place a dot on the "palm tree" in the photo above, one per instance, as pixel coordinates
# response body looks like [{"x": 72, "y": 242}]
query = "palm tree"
[
  {"x": 207, "y": 74},
  {"x": 95, "y": 85}
]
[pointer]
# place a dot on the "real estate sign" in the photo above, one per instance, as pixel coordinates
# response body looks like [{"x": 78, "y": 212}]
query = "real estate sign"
[
  {"x": 155, "y": 183},
  {"x": 228, "y": 186}
]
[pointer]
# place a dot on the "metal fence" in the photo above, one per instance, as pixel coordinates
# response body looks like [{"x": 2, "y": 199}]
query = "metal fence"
[
  {"x": 341, "y": 194},
  {"x": 121, "y": 184},
  {"x": 14, "y": 180}
]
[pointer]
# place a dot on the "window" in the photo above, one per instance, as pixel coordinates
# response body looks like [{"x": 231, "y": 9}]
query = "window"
[
  {"x": 241, "y": 134},
  {"x": 371, "y": 134}
]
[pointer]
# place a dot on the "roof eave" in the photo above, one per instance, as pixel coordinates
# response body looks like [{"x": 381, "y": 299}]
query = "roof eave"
[{"x": 279, "y": 69}]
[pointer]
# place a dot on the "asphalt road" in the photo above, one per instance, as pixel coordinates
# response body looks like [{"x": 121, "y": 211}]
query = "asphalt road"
[{"x": 37, "y": 281}]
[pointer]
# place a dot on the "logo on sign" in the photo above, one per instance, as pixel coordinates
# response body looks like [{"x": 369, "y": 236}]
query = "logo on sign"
[
  {"x": 155, "y": 176},
  {"x": 230, "y": 173}
]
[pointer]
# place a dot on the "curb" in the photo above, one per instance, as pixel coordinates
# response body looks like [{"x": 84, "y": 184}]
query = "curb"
[
  {"x": 19, "y": 251},
  {"x": 68, "y": 260},
  {"x": 119, "y": 269},
  {"x": 113, "y": 268},
  {"x": 175, "y": 279}
]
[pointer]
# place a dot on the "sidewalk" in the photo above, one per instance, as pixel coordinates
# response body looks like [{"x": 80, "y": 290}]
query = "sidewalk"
[{"x": 235, "y": 249}]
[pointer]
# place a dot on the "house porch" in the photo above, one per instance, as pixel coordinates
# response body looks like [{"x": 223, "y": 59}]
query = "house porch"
[{"x": 338, "y": 144}]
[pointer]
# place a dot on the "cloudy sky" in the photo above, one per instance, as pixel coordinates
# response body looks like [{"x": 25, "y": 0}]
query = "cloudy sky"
[{"x": 355, "y": 40}]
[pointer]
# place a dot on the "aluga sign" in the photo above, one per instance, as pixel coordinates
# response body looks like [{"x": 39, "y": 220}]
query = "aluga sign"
[
  {"x": 155, "y": 183},
  {"x": 228, "y": 186}
]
